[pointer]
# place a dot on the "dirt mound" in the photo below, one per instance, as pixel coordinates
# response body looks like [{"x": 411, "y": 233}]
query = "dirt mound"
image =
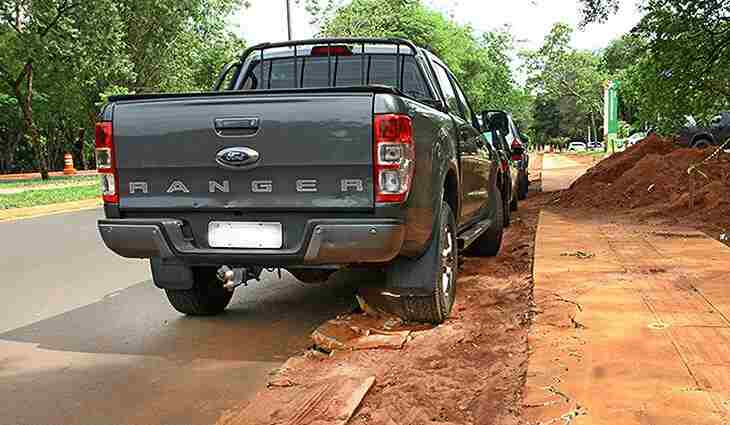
[
  {"x": 610, "y": 169},
  {"x": 651, "y": 179}
]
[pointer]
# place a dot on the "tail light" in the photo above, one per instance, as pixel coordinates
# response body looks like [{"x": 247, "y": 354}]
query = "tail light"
[
  {"x": 106, "y": 163},
  {"x": 517, "y": 146},
  {"x": 336, "y": 50},
  {"x": 394, "y": 157}
]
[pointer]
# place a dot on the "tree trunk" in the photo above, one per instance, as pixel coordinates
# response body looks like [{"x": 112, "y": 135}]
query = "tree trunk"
[
  {"x": 26, "y": 106},
  {"x": 80, "y": 148},
  {"x": 595, "y": 131}
]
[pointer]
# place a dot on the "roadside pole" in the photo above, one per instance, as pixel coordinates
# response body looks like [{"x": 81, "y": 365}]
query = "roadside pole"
[
  {"x": 589, "y": 134},
  {"x": 288, "y": 19},
  {"x": 610, "y": 114}
]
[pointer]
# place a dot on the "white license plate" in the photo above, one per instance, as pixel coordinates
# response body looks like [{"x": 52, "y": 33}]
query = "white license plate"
[{"x": 238, "y": 234}]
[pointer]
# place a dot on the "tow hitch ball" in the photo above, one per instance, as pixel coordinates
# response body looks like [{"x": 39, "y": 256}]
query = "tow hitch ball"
[{"x": 233, "y": 278}]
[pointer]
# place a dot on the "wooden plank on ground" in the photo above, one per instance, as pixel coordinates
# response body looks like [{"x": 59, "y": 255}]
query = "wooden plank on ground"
[{"x": 328, "y": 401}]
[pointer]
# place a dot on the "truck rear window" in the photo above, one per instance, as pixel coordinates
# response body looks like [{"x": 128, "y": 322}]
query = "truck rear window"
[{"x": 317, "y": 71}]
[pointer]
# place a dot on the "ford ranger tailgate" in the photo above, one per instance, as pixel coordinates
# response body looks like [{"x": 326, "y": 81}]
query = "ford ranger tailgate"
[{"x": 256, "y": 151}]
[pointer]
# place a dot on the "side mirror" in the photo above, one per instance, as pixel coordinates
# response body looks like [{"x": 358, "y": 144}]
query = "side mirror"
[{"x": 486, "y": 125}]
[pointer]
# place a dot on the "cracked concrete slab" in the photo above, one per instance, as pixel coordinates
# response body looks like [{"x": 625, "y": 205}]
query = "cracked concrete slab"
[{"x": 653, "y": 345}]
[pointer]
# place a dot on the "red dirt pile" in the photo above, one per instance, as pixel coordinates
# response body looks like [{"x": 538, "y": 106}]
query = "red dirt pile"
[{"x": 651, "y": 180}]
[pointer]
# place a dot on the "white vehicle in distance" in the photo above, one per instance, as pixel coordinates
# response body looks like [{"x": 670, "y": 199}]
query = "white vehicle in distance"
[
  {"x": 577, "y": 147},
  {"x": 595, "y": 145},
  {"x": 635, "y": 138}
]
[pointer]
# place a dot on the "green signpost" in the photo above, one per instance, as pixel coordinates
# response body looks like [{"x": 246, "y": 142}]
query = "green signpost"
[{"x": 610, "y": 115}]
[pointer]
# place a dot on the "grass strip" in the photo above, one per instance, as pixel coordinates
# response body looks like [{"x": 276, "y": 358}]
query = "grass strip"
[
  {"x": 31, "y": 198},
  {"x": 52, "y": 181}
]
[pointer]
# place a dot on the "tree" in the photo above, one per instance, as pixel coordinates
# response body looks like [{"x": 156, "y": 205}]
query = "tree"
[
  {"x": 177, "y": 45},
  {"x": 621, "y": 59},
  {"x": 33, "y": 23},
  {"x": 546, "y": 120},
  {"x": 58, "y": 59},
  {"x": 571, "y": 78},
  {"x": 684, "y": 70},
  {"x": 480, "y": 62},
  {"x": 598, "y": 10}
]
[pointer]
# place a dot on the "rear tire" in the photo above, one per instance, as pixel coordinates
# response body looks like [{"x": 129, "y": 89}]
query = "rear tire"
[
  {"x": 311, "y": 275},
  {"x": 702, "y": 143},
  {"x": 524, "y": 186},
  {"x": 507, "y": 207},
  {"x": 207, "y": 297},
  {"x": 489, "y": 243},
  {"x": 435, "y": 273}
]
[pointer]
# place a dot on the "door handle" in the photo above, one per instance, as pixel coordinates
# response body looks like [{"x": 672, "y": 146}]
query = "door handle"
[
  {"x": 249, "y": 123},
  {"x": 236, "y": 127}
]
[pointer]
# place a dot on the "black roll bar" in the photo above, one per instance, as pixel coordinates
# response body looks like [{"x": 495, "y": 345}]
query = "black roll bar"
[{"x": 398, "y": 42}]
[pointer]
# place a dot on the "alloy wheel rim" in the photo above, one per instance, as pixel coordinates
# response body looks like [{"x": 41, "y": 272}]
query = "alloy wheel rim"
[{"x": 448, "y": 261}]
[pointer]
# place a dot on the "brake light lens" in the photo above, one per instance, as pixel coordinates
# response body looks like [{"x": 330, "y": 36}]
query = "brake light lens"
[
  {"x": 106, "y": 163},
  {"x": 331, "y": 51},
  {"x": 516, "y": 144},
  {"x": 394, "y": 157}
]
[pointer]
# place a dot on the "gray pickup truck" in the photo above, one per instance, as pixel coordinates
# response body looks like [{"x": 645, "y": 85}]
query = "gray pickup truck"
[
  {"x": 692, "y": 136},
  {"x": 307, "y": 156}
]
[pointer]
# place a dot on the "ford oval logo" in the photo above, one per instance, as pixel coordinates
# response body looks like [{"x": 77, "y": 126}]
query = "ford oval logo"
[{"x": 238, "y": 157}]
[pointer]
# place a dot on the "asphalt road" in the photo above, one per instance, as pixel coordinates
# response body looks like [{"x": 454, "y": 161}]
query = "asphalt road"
[{"x": 86, "y": 338}]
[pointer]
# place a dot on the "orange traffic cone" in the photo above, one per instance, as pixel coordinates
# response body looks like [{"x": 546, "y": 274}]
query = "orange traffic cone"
[{"x": 68, "y": 165}]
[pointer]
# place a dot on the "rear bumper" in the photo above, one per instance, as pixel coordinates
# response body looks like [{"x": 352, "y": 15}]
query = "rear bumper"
[{"x": 327, "y": 242}]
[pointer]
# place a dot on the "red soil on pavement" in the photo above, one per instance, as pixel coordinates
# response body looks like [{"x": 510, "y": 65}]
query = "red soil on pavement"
[
  {"x": 650, "y": 183},
  {"x": 470, "y": 370}
]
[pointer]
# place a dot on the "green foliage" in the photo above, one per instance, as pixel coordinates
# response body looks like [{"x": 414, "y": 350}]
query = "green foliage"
[
  {"x": 598, "y": 10},
  {"x": 624, "y": 129},
  {"x": 546, "y": 120},
  {"x": 568, "y": 83},
  {"x": 82, "y": 51},
  {"x": 480, "y": 62},
  {"x": 53, "y": 181},
  {"x": 675, "y": 62},
  {"x": 31, "y": 198},
  {"x": 177, "y": 45},
  {"x": 112, "y": 90}
]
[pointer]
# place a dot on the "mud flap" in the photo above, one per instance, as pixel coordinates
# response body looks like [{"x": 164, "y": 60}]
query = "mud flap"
[
  {"x": 171, "y": 274},
  {"x": 407, "y": 277}
]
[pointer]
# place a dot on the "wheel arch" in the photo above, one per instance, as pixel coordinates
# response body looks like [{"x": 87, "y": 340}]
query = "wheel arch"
[
  {"x": 702, "y": 136},
  {"x": 451, "y": 191}
]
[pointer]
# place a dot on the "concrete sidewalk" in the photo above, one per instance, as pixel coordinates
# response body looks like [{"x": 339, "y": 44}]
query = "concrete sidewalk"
[
  {"x": 631, "y": 326},
  {"x": 559, "y": 172}
]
